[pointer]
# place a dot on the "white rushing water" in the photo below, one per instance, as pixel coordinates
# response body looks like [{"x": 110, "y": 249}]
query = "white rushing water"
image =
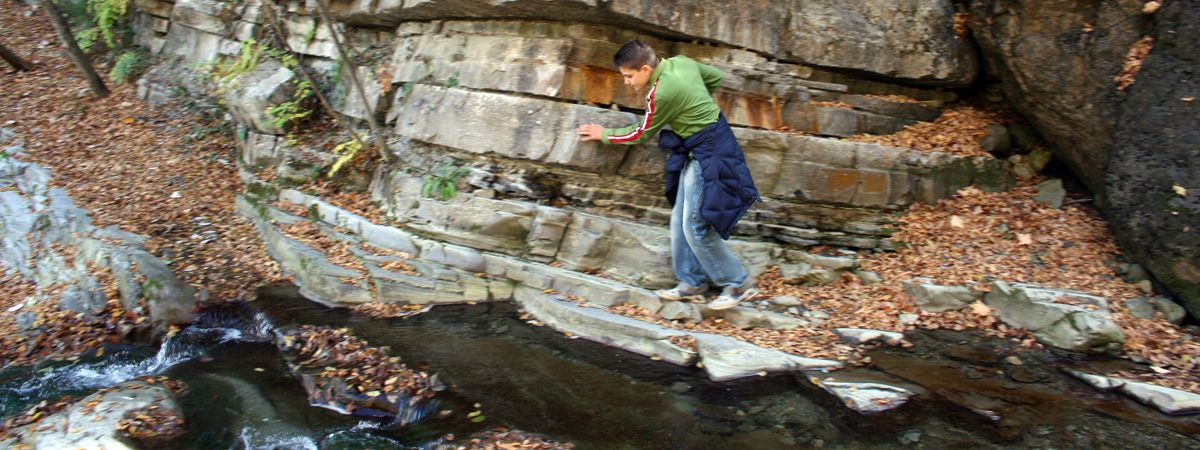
[{"x": 184, "y": 346}]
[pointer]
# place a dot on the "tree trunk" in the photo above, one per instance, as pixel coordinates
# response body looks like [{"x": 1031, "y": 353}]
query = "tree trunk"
[
  {"x": 68, "y": 40},
  {"x": 13, "y": 59}
]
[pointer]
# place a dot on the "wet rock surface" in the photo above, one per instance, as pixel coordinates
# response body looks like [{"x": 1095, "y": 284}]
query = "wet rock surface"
[
  {"x": 102, "y": 420},
  {"x": 973, "y": 376}
]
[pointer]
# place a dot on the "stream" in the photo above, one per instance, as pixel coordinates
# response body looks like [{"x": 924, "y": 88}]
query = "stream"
[{"x": 240, "y": 394}]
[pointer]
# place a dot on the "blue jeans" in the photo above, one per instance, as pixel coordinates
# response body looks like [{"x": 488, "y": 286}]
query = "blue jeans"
[{"x": 698, "y": 254}]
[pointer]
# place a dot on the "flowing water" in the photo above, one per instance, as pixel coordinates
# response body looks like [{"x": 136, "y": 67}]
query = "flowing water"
[{"x": 242, "y": 396}]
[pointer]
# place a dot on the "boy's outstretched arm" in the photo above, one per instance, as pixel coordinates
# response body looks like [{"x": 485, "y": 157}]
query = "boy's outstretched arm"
[
  {"x": 590, "y": 132},
  {"x": 659, "y": 112}
]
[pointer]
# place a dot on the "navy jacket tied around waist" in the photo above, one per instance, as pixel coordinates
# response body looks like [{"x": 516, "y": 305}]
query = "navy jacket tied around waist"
[{"x": 728, "y": 188}]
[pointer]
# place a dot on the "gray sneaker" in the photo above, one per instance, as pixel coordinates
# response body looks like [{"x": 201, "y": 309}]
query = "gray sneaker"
[
  {"x": 682, "y": 292},
  {"x": 732, "y": 295}
]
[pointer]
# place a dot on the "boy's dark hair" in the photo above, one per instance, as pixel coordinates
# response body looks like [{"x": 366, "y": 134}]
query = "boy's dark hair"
[{"x": 635, "y": 54}]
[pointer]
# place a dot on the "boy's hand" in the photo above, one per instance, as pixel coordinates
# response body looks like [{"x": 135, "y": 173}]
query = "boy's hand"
[{"x": 590, "y": 132}]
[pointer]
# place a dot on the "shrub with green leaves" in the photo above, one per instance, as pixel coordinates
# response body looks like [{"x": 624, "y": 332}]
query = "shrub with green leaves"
[
  {"x": 294, "y": 109},
  {"x": 129, "y": 65},
  {"x": 102, "y": 20},
  {"x": 348, "y": 150}
]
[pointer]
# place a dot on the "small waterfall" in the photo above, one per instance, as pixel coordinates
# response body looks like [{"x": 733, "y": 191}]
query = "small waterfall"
[{"x": 214, "y": 327}]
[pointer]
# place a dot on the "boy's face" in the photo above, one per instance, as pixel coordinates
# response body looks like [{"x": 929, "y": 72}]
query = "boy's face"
[{"x": 637, "y": 78}]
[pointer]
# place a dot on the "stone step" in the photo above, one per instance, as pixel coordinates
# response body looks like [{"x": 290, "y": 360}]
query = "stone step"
[
  {"x": 723, "y": 358},
  {"x": 451, "y": 274}
]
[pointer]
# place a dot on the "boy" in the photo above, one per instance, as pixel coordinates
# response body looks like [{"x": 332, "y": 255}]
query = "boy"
[{"x": 708, "y": 184}]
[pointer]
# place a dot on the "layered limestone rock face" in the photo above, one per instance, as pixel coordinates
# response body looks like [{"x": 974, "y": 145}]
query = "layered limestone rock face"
[
  {"x": 907, "y": 39},
  {"x": 484, "y": 97}
]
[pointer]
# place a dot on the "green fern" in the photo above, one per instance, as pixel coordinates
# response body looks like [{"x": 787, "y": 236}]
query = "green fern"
[
  {"x": 443, "y": 183},
  {"x": 246, "y": 61},
  {"x": 107, "y": 14},
  {"x": 127, "y": 65},
  {"x": 86, "y": 38}
]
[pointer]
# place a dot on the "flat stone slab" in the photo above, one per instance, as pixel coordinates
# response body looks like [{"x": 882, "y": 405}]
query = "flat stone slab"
[
  {"x": 866, "y": 398},
  {"x": 1165, "y": 399},
  {"x": 746, "y": 318},
  {"x": 604, "y": 327},
  {"x": 860, "y": 336},
  {"x": 937, "y": 298},
  {"x": 726, "y": 358}
]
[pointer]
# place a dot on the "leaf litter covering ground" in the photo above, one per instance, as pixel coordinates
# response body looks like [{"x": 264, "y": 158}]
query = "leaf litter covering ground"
[
  {"x": 959, "y": 130},
  {"x": 124, "y": 162},
  {"x": 970, "y": 240}
]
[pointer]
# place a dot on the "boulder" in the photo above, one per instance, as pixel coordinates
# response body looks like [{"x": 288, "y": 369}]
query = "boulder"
[
  {"x": 687, "y": 312},
  {"x": 1051, "y": 192},
  {"x": 746, "y": 318},
  {"x": 1144, "y": 308},
  {"x": 936, "y": 298},
  {"x": 1059, "y": 74},
  {"x": 997, "y": 142},
  {"x": 250, "y": 95},
  {"x": 1151, "y": 198},
  {"x": 1064, "y": 319},
  {"x": 786, "y": 300}
]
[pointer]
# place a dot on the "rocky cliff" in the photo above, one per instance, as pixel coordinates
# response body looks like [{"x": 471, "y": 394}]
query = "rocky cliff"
[
  {"x": 1067, "y": 65},
  {"x": 484, "y": 96}
]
